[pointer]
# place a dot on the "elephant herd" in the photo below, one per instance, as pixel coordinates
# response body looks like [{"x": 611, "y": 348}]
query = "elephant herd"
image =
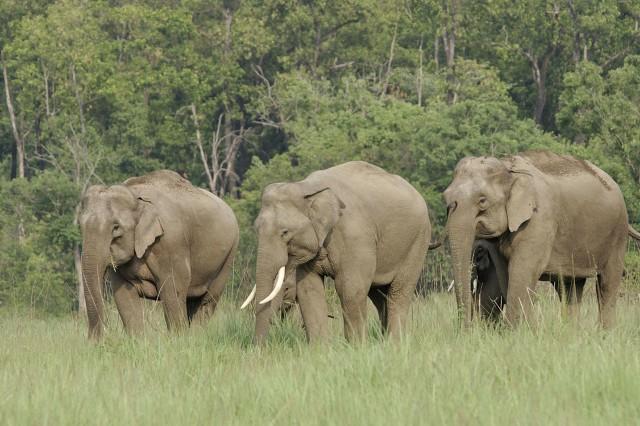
[{"x": 511, "y": 222}]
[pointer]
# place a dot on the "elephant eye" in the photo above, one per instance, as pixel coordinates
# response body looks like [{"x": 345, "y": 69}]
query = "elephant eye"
[
  {"x": 284, "y": 233},
  {"x": 116, "y": 232},
  {"x": 483, "y": 203}
]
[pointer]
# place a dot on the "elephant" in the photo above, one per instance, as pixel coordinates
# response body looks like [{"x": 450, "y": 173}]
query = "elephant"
[
  {"x": 489, "y": 274},
  {"x": 490, "y": 277},
  {"x": 365, "y": 228},
  {"x": 155, "y": 237},
  {"x": 551, "y": 217}
]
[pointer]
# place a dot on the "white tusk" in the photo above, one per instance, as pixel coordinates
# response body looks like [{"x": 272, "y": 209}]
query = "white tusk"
[
  {"x": 276, "y": 287},
  {"x": 474, "y": 287},
  {"x": 250, "y": 298},
  {"x": 451, "y": 285}
]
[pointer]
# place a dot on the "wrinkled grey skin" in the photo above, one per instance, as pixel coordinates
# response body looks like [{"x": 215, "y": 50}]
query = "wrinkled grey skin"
[
  {"x": 365, "y": 228},
  {"x": 552, "y": 217},
  {"x": 159, "y": 238}
]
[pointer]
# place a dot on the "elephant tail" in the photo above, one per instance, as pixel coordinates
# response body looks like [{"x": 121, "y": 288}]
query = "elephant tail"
[
  {"x": 435, "y": 245},
  {"x": 634, "y": 234}
]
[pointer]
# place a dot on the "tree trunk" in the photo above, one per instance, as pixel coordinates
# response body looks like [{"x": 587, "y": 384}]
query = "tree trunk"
[
  {"x": 79, "y": 100},
  {"x": 228, "y": 184},
  {"x": 203, "y": 156},
  {"x": 420, "y": 77},
  {"x": 45, "y": 78},
  {"x": 19, "y": 142},
  {"x": 449, "y": 44},
  {"x": 541, "y": 97},
  {"x": 228, "y": 141},
  {"x": 539, "y": 71},
  {"x": 14, "y": 162},
  {"x": 392, "y": 48},
  {"x": 436, "y": 51},
  {"x": 231, "y": 159},
  {"x": 317, "y": 45}
]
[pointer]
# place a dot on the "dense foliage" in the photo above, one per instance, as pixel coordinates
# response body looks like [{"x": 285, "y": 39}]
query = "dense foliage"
[{"x": 235, "y": 94}]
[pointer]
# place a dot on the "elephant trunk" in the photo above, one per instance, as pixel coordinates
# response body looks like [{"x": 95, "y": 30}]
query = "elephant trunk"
[
  {"x": 268, "y": 264},
  {"x": 94, "y": 263},
  {"x": 461, "y": 230}
]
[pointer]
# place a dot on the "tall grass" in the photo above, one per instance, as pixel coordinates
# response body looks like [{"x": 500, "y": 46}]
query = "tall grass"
[{"x": 552, "y": 371}]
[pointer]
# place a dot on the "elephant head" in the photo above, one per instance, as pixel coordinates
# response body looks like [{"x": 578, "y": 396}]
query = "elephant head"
[
  {"x": 117, "y": 226},
  {"x": 486, "y": 199},
  {"x": 294, "y": 221}
]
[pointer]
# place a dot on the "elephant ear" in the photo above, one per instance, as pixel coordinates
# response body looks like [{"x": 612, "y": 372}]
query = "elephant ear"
[
  {"x": 521, "y": 202},
  {"x": 148, "y": 227},
  {"x": 324, "y": 211}
]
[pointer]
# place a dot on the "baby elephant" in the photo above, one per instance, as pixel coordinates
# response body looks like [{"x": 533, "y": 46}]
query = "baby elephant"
[
  {"x": 489, "y": 279},
  {"x": 159, "y": 238}
]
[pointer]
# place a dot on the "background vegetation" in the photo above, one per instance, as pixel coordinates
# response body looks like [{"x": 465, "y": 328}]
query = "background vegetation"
[{"x": 235, "y": 94}]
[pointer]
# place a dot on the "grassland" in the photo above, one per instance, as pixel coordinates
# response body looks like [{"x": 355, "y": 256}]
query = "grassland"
[{"x": 555, "y": 371}]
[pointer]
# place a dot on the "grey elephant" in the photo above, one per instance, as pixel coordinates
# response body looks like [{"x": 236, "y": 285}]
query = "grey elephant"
[
  {"x": 367, "y": 229},
  {"x": 159, "y": 238},
  {"x": 553, "y": 217},
  {"x": 490, "y": 279}
]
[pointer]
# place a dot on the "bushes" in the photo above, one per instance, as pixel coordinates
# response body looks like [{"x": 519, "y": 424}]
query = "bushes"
[{"x": 37, "y": 239}]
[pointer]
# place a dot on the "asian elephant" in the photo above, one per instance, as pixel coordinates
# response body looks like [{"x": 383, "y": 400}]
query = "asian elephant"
[
  {"x": 367, "y": 229},
  {"x": 489, "y": 279},
  {"x": 551, "y": 217},
  {"x": 159, "y": 238}
]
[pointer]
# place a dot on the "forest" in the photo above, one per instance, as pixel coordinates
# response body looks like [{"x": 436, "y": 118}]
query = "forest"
[{"x": 236, "y": 94}]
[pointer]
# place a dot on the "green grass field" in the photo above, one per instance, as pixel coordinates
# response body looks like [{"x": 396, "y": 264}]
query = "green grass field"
[{"x": 554, "y": 371}]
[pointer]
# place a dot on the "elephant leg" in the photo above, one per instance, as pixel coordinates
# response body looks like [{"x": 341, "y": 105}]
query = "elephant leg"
[
  {"x": 210, "y": 300},
  {"x": 313, "y": 305},
  {"x": 200, "y": 310},
  {"x": 173, "y": 279},
  {"x": 399, "y": 300},
  {"x": 403, "y": 287},
  {"x": 129, "y": 304},
  {"x": 607, "y": 287},
  {"x": 525, "y": 267},
  {"x": 353, "y": 287},
  {"x": 378, "y": 296}
]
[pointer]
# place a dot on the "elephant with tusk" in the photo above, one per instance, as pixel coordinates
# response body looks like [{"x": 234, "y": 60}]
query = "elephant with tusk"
[
  {"x": 367, "y": 229},
  {"x": 158, "y": 238}
]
